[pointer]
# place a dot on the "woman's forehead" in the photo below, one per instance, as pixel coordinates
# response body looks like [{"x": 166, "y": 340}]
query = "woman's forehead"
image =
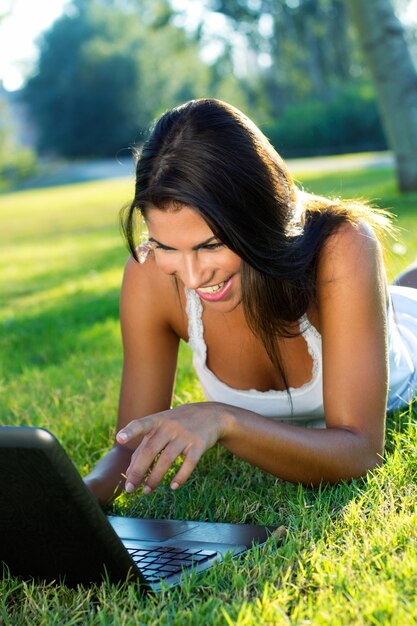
[
  {"x": 170, "y": 206},
  {"x": 179, "y": 224}
]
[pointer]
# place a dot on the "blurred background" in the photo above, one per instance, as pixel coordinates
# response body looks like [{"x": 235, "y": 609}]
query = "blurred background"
[{"x": 81, "y": 80}]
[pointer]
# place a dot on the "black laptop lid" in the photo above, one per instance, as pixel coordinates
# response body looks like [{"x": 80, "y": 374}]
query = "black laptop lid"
[{"x": 51, "y": 528}]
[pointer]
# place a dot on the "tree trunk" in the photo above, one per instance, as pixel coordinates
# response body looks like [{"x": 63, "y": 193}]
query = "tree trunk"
[{"x": 395, "y": 78}]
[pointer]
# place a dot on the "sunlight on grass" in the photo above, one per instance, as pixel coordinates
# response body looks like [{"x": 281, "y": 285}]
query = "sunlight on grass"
[{"x": 93, "y": 283}]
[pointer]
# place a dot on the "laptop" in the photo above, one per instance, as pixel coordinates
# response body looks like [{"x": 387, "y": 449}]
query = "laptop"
[{"x": 53, "y": 529}]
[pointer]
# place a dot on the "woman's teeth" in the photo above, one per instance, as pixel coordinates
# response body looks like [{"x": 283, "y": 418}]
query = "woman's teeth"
[{"x": 212, "y": 288}]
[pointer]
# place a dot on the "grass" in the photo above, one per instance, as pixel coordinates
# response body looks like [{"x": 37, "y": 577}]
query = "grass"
[{"x": 345, "y": 554}]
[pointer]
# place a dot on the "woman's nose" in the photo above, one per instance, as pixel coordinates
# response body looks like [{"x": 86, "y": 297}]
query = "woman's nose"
[{"x": 193, "y": 274}]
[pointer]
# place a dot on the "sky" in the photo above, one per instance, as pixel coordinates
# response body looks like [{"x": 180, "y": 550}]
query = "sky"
[
  {"x": 26, "y": 19},
  {"x": 24, "y": 22}
]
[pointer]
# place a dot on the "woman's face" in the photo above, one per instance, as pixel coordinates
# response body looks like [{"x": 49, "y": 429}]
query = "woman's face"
[{"x": 185, "y": 247}]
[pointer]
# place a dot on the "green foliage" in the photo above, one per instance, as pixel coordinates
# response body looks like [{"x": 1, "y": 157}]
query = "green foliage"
[
  {"x": 310, "y": 43},
  {"x": 343, "y": 554},
  {"x": 17, "y": 166},
  {"x": 347, "y": 122},
  {"x": 81, "y": 97},
  {"x": 106, "y": 69},
  {"x": 16, "y": 162},
  {"x": 307, "y": 85}
]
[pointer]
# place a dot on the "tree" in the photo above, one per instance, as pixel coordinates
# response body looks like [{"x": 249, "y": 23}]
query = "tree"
[
  {"x": 395, "y": 78},
  {"x": 17, "y": 162},
  {"x": 106, "y": 69},
  {"x": 310, "y": 92},
  {"x": 82, "y": 97},
  {"x": 308, "y": 42}
]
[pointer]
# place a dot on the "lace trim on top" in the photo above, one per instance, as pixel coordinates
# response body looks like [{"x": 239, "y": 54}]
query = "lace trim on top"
[{"x": 194, "y": 309}]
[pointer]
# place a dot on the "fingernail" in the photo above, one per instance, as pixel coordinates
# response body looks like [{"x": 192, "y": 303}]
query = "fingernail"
[
  {"x": 147, "y": 490},
  {"x": 121, "y": 437},
  {"x": 129, "y": 487},
  {"x": 174, "y": 485}
]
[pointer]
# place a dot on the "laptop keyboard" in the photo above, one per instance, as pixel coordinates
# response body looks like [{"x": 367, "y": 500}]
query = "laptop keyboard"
[{"x": 162, "y": 561}]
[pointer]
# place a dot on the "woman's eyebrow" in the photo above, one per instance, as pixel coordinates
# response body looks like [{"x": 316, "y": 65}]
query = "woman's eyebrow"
[
  {"x": 196, "y": 247},
  {"x": 161, "y": 245}
]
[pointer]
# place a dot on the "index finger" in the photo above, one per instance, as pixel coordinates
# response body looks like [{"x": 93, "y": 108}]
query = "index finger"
[{"x": 142, "y": 426}]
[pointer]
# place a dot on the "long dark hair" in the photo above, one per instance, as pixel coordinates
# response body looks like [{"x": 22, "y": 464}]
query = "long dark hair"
[{"x": 208, "y": 155}]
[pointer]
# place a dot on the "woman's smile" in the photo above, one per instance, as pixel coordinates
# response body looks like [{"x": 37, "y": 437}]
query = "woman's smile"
[{"x": 215, "y": 293}]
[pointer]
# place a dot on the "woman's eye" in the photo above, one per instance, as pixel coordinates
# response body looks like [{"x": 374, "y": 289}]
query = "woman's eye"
[
  {"x": 213, "y": 246},
  {"x": 207, "y": 246}
]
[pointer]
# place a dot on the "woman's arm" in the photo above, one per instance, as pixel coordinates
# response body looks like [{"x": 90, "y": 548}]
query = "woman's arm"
[
  {"x": 351, "y": 305},
  {"x": 150, "y": 348}
]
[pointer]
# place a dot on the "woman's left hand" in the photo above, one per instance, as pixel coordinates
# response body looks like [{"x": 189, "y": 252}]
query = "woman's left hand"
[{"x": 188, "y": 430}]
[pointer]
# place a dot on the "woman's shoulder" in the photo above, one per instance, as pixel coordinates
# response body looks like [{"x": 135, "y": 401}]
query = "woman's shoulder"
[
  {"x": 153, "y": 294},
  {"x": 351, "y": 246}
]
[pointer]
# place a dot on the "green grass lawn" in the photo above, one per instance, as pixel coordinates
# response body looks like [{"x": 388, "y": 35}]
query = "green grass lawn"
[{"x": 347, "y": 553}]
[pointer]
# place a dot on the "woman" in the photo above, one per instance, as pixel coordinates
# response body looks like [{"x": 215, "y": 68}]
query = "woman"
[{"x": 283, "y": 299}]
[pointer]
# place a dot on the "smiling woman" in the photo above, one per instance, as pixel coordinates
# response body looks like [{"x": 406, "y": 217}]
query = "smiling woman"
[{"x": 283, "y": 299}]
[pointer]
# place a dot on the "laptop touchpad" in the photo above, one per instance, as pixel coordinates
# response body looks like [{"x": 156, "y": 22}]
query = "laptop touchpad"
[{"x": 148, "y": 529}]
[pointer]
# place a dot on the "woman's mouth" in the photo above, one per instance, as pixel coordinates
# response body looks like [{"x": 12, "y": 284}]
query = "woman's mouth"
[{"x": 214, "y": 293}]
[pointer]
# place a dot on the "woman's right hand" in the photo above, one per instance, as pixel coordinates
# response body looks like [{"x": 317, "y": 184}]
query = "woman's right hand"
[{"x": 186, "y": 431}]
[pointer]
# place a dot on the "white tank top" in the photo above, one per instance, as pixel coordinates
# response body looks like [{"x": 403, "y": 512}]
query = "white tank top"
[
  {"x": 307, "y": 400},
  {"x": 402, "y": 346}
]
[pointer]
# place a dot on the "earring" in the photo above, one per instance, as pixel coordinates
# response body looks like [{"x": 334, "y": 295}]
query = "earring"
[{"x": 143, "y": 251}]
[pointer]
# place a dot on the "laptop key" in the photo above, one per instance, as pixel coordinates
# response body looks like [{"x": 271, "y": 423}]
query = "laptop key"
[
  {"x": 152, "y": 578},
  {"x": 171, "y": 569},
  {"x": 152, "y": 567},
  {"x": 140, "y": 551},
  {"x": 163, "y": 561},
  {"x": 180, "y": 563},
  {"x": 165, "y": 549},
  {"x": 199, "y": 558},
  {"x": 166, "y": 573},
  {"x": 191, "y": 550},
  {"x": 154, "y": 554}
]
